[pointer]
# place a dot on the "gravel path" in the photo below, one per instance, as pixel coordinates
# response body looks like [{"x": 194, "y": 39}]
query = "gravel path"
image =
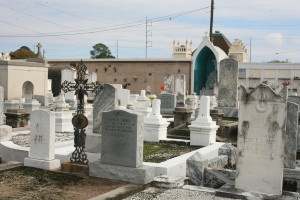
[
  {"x": 173, "y": 194},
  {"x": 23, "y": 138}
]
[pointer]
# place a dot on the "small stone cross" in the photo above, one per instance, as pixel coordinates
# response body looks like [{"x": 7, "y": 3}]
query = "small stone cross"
[{"x": 39, "y": 46}]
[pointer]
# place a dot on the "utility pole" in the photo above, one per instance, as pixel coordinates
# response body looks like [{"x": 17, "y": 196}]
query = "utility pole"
[
  {"x": 211, "y": 20},
  {"x": 148, "y": 34},
  {"x": 250, "y": 48}
]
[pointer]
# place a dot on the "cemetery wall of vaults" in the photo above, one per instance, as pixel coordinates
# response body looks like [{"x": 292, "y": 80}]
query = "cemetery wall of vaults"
[
  {"x": 150, "y": 72},
  {"x": 13, "y": 75},
  {"x": 139, "y": 73}
]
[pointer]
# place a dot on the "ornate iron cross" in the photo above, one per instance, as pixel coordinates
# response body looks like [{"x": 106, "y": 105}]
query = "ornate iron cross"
[{"x": 80, "y": 122}]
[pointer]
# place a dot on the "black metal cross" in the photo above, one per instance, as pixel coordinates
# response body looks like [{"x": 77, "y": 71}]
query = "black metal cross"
[{"x": 80, "y": 122}]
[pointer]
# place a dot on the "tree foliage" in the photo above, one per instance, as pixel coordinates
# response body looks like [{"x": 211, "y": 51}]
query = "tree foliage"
[
  {"x": 101, "y": 51},
  {"x": 22, "y": 53}
]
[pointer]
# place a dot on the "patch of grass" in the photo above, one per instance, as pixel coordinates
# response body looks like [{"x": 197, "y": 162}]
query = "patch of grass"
[
  {"x": 226, "y": 122},
  {"x": 159, "y": 152}
]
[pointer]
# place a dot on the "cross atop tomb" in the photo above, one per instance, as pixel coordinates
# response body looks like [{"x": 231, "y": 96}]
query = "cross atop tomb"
[
  {"x": 81, "y": 87},
  {"x": 39, "y": 54}
]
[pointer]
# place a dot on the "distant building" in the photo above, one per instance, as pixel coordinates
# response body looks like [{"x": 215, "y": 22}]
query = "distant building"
[
  {"x": 182, "y": 51},
  {"x": 238, "y": 50}
]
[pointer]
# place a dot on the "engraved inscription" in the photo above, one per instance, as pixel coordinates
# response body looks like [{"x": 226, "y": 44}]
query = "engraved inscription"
[{"x": 118, "y": 124}]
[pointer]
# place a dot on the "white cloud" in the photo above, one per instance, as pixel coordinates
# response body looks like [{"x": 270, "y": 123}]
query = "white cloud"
[{"x": 275, "y": 39}]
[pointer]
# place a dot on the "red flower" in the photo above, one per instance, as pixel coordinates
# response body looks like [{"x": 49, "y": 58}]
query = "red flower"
[{"x": 162, "y": 87}]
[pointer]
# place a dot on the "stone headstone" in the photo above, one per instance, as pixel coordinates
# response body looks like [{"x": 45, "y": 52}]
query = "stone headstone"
[
  {"x": 42, "y": 141},
  {"x": 169, "y": 83},
  {"x": 290, "y": 138},
  {"x": 228, "y": 86},
  {"x": 296, "y": 100},
  {"x": 1, "y": 104},
  {"x": 106, "y": 100},
  {"x": 27, "y": 91},
  {"x": 69, "y": 74},
  {"x": 260, "y": 144},
  {"x": 180, "y": 89},
  {"x": 122, "y": 139},
  {"x": 168, "y": 103}
]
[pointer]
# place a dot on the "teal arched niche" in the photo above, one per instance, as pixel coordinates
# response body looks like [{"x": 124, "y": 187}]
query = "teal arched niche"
[{"x": 205, "y": 63}]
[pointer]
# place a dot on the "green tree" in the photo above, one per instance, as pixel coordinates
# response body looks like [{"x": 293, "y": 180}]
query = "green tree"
[
  {"x": 101, "y": 51},
  {"x": 22, "y": 53}
]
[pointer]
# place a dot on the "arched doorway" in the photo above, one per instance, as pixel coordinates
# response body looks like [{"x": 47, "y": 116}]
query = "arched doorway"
[
  {"x": 27, "y": 90},
  {"x": 205, "y": 65}
]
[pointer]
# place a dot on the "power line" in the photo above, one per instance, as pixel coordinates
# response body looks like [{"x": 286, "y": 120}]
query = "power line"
[
  {"x": 114, "y": 27},
  {"x": 64, "y": 12},
  {"x": 38, "y": 18}
]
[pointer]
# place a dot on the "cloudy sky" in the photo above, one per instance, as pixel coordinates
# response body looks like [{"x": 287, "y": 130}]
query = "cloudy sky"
[{"x": 69, "y": 28}]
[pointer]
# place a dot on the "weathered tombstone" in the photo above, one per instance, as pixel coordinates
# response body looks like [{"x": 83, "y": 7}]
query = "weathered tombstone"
[
  {"x": 168, "y": 103},
  {"x": 1, "y": 104},
  {"x": 290, "y": 138},
  {"x": 106, "y": 100},
  {"x": 296, "y": 100},
  {"x": 260, "y": 145},
  {"x": 228, "y": 86},
  {"x": 169, "y": 83},
  {"x": 121, "y": 149},
  {"x": 27, "y": 91},
  {"x": 42, "y": 141},
  {"x": 180, "y": 89}
]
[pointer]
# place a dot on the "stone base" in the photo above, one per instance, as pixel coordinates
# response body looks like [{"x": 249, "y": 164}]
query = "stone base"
[
  {"x": 93, "y": 143},
  {"x": 31, "y": 105},
  {"x": 198, "y": 138},
  {"x": 42, "y": 164},
  {"x": 155, "y": 132},
  {"x": 141, "y": 175},
  {"x": 75, "y": 168},
  {"x": 63, "y": 121},
  {"x": 229, "y": 191}
]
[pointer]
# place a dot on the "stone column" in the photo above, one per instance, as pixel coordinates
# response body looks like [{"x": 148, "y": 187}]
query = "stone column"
[
  {"x": 155, "y": 126},
  {"x": 203, "y": 129}
]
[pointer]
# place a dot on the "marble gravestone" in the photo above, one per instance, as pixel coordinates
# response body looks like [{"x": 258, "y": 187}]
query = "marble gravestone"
[
  {"x": 123, "y": 130},
  {"x": 228, "y": 83},
  {"x": 106, "y": 100},
  {"x": 122, "y": 149},
  {"x": 180, "y": 88},
  {"x": 42, "y": 141},
  {"x": 290, "y": 138},
  {"x": 27, "y": 90},
  {"x": 168, "y": 103},
  {"x": 260, "y": 143},
  {"x": 1, "y": 104},
  {"x": 169, "y": 83}
]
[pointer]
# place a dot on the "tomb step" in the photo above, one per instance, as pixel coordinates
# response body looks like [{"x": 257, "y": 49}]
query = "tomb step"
[
  {"x": 169, "y": 182},
  {"x": 178, "y": 137}
]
